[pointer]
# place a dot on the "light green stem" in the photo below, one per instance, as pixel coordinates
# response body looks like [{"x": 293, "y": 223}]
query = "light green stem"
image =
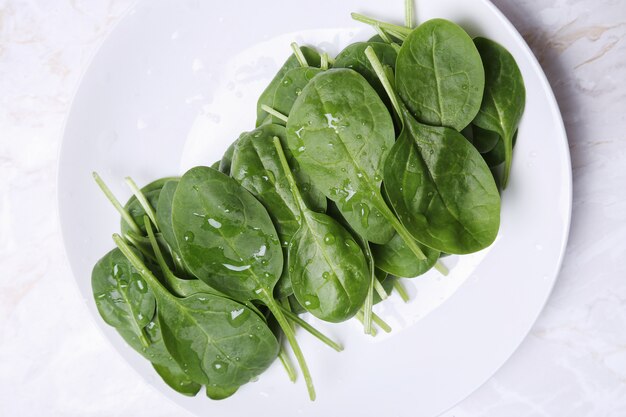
[
  {"x": 382, "y": 34},
  {"x": 381, "y": 323},
  {"x": 380, "y": 290},
  {"x": 306, "y": 326},
  {"x": 299, "y": 55},
  {"x": 508, "y": 159},
  {"x": 324, "y": 61},
  {"x": 369, "y": 299},
  {"x": 382, "y": 76},
  {"x": 359, "y": 316},
  {"x": 286, "y": 361},
  {"x": 291, "y": 338},
  {"x": 120, "y": 209},
  {"x": 142, "y": 200},
  {"x": 401, "y": 30},
  {"x": 274, "y": 112},
  {"x": 408, "y": 13},
  {"x": 397, "y": 285}
]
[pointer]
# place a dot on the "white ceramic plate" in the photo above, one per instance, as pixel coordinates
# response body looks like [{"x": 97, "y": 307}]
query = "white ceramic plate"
[{"x": 174, "y": 85}]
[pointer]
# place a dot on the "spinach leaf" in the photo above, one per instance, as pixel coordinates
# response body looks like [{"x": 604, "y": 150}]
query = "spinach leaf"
[
  {"x": 439, "y": 75},
  {"x": 267, "y": 97},
  {"x": 441, "y": 188},
  {"x": 496, "y": 156},
  {"x": 504, "y": 98},
  {"x": 121, "y": 295},
  {"x": 289, "y": 88},
  {"x": 396, "y": 258},
  {"x": 227, "y": 158},
  {"x": 353, "y": 57},
  {"x": 215, "y": 340},
  {"x": 216, "y": 392},
  {"x": 126, "y": 303},
  {"x": 257, "y": 167},
  {"x": 340, "y": 132},
  {"x": 328, "y": 271},
  {"x": 164, "y": 213},
  {"x": 439, "y": 185},
  {"x": 227, "y": 239},
  {"x": 484, "y": 140}
]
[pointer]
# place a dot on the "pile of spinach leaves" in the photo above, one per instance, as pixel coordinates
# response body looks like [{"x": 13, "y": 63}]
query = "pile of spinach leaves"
[{"x": 361, "y": 170}]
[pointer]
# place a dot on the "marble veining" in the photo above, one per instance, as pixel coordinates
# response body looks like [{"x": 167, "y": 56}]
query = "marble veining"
[{"x": 53, "y": 360}]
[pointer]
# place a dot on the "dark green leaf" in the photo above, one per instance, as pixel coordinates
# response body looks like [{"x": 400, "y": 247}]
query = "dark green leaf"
[
  {"x": 267, "y": 97},
  {"x": 505, "y": 96},
  {"x": 439, "y": 75},
  {"x": 340, "y": 132},
  {"x": 441, "y": 189}
]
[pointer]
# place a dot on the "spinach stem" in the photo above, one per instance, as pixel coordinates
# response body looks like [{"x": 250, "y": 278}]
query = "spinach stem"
[
  {"x": 274, "y": 112},
  {"x": 142, "y": 200},
  {"x": 172, "y": 280},
  {"x": 441, "y": 268},
  {"x": 408, "y": 13},
  {"x": 120, "y": 209},
  {"x": 396, "y": 35},
  {"x": 369, "y": 299},
  {"x": 359, "y": 316},
  {"x": 397, "y": 285},
  {"x": 284, "y": 305},
  {"x": 145, "y": 273},
  {"x": 381, "y": 323},
  {"x": 306, "y": 326},
  {"x": 299, "y": 55},
  {"x": 380, "y": 72},
  {"x": 402, "y": 31},
  {"x": 380, "y": 290},
  {"x": 292, "y": 182},
  {"x": 324, "y": 61},
  {"x": 286, "y": 361},
  {"x": 291, "y": 338},
  {"x": 508, "y": 156},
  {"x": 139, "y": 244},
  {"x": 382, "y": 33}
]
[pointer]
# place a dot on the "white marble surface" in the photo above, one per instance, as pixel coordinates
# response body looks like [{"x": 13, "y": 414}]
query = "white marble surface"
[{"x": 54, "y": 361}]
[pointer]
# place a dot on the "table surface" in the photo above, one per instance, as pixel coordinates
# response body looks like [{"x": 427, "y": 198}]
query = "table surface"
[{"x": 55, "y": 362}]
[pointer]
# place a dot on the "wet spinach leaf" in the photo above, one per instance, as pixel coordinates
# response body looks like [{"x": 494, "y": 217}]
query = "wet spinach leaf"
[
  {"x": 126, "y": 303},
  {"x": 329, "y": 274},
  {"x": 439, "y": 75},
  {"x": 289, "y": 88},
  {"x": 267, "y": 97},
  {"x": 227, "y": 239},
  {"x": 353, "y": 57},
  {"x": 340, "y": 132},
  {"x": 257, "y": 167},
  {"x": 217, "y": 341},
  {"x": 441, "y": 188}
]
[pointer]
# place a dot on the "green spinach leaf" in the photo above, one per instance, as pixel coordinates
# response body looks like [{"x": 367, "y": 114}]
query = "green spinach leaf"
[
  {"x": 227, "y": 239},
  {"x": 267, "y": 97},
  {"x": 439, "y": 75},
  {"x": 396, "y": 258},
  {"x": 215, "y": 340},
  {"x": 504, "y": 98},
  {"x": 328, "y": 271}
]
